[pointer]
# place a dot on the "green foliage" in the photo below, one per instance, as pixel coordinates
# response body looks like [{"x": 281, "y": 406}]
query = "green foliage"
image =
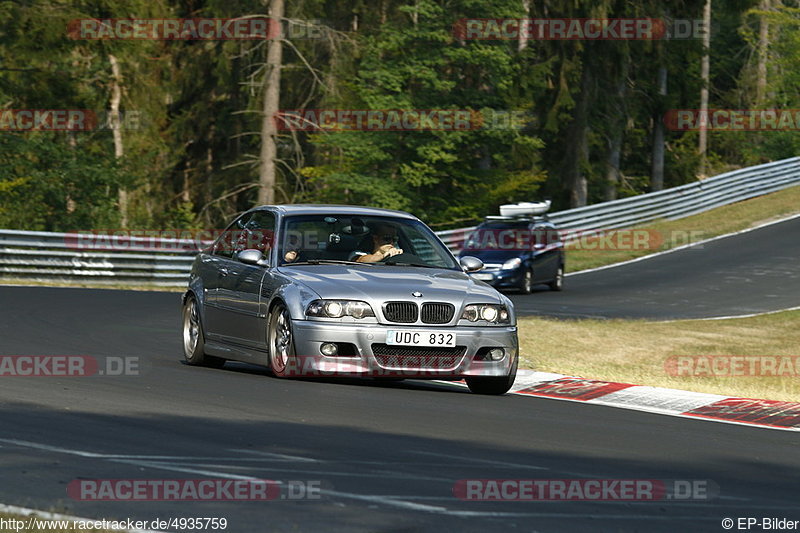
[
  {"x": 412, "y": 61},
  {"x": 551, "y": 108},
  {"x": 46, "y": 185}
]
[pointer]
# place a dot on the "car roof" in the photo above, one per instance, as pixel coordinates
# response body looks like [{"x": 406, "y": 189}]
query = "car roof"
[
  {"x": 334, "y": 209},
  {"x": 516, "y": 221}
]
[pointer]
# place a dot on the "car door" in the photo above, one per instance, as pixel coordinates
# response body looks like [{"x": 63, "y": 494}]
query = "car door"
[
  {"x": 216, "y": 267},
  {"x": 545, "y": 252},
  {"x": 240, "y": 290}
]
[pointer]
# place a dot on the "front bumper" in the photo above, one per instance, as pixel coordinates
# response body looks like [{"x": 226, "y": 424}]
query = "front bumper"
[
  {"x": 501, "y": 279},
  {"x": 310, "y": 335}
]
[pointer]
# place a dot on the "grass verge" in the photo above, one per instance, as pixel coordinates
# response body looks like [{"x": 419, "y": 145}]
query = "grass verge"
[
  {"x": 719, "y": 221},
  {"x": 635, "y": 351}
]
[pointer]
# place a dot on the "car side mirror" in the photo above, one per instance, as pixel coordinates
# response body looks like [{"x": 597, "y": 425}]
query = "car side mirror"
[
  {"x": 252, "y": 257},
  {"x": 470, "y": 263}
]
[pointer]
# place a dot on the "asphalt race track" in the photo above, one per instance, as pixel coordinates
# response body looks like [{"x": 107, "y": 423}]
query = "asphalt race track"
[
  {"x": 752, "y": 272},
  {"x": 386, "y": 455}
]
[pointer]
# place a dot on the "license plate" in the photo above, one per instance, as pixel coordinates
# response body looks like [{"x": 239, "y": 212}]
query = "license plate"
[
  {"x": 443, "y": 339},
  {"x": 483, "y": 277}
]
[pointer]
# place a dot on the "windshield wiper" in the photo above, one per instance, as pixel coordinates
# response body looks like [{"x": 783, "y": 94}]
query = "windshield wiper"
[
  {"x": 406, "y": 263},
  {"x": 325, "y": 262}
]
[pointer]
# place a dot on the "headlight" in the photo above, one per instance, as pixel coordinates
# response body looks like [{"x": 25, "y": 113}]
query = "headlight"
[
  {"x": 489, "y": 314},
  {"x": 333, "y": 309},
  {"x": 492, "y": 313},
  {"x": 512, "y": 263},
  {"x": 339, "y": 308}
]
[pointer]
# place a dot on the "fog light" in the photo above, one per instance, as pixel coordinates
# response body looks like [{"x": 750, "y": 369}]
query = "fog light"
[
  {"x": 496, "y": 354},
  {"x": 329, "y": 349}
]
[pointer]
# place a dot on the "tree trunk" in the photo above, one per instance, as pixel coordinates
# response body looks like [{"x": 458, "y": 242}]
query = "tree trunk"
[
  {"x": 763, "y": 48},
  {"x": 618, "y": 122},
  {"x": 186, "y": 195},
  {"x": 210, "y": 162},
  {"x": 702, "y": 146},
  {"x": 272, "y": 94},
  {"x": 657, "y": 164},
  {"x": 522, "y": 44},
  {"x": 116, "y": 130},
  {"x": 612, "y": 165},
  {"x": 577, "y": 152}
]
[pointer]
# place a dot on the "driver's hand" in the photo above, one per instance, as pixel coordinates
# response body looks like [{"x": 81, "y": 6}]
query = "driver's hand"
[{"x": 389, "y": 250}]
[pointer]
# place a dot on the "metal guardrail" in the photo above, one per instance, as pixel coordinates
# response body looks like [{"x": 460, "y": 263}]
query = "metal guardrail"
[
  {"x": 67, "y": 258},
  {"x": 669, "y": 204}
]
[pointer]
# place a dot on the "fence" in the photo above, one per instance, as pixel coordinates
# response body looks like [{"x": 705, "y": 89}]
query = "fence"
[
  {"x": 61, "y": 257},
  {"x": 58, "y": 257},
  {"x": 670, "y": 204}
]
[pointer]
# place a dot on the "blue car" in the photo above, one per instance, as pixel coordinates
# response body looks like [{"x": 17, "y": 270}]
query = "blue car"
[{"x": 517, "y": 253}]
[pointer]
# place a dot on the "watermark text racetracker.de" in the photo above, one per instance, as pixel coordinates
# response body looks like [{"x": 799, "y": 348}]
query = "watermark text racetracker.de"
[
  {"x": 579, "y": 29},
  {"x": 195, "y": 490},
  {"x": 47, "y": 120},
  {"x": 73, "y": 120},
  {"x": 79, "y": 525},
  {"x": 596, "y": 240},
  {"x": 68, "y": 366},
  {"x": 733, "y": 119},
  {"x": 385, "y": 120},
  {"x": 600, "y": 490},
  {"x": 721, "y": 366},
  {"x": 173, "y": 29},
  {"x": 250, "y": 28},
  {"x": 168, "y": 240}
]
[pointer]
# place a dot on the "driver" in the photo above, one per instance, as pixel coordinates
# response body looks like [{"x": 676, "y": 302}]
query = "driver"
[{"x": 384, "y": 241}]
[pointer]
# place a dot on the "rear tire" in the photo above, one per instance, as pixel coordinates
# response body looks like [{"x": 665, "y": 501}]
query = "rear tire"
[
  {"x": 282, "y": 359},
  {"x": 558, "y": 283},
  {"x": 194, "y": 339},
  {"x": 493, "y": 385}
]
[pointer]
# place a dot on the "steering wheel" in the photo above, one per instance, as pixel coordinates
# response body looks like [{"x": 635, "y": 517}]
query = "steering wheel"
[{"x": 405, "y": 257}]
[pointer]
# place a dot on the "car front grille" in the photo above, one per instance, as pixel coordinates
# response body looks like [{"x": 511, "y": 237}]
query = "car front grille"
[
  {"x": 437, "y": 313},
  {"x": 408, "y": 312},
  {"x": 416, "y": 357},
  {"x": 401, "y": 312}
]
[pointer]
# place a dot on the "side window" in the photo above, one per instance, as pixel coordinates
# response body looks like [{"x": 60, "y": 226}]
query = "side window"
[
  {"x": 260, "y": 232},
  {"x": 553, "y": 236},
  {"x": 231, "y": 239},
  {"x": 540, "y": 236}
]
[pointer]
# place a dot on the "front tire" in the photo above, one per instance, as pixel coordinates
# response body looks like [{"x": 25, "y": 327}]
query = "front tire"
[
  {"x": 282, "y": 359},
  {"x": 526, "y": 285},
  {"x": 493, "y": 385},
  {"x": 194, "y": 339}
]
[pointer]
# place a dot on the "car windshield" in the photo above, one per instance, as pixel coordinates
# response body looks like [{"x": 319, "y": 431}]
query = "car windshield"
[
  {"x": 498, "y": 236},
  {"x": 311, "y": 239}
]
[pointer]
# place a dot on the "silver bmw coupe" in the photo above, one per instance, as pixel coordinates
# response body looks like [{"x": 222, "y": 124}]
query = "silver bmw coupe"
[{"x": 323, "y": 290}]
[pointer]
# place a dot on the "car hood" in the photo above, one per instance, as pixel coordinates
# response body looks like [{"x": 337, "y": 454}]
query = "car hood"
[{"x": 381, "y": 283}]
